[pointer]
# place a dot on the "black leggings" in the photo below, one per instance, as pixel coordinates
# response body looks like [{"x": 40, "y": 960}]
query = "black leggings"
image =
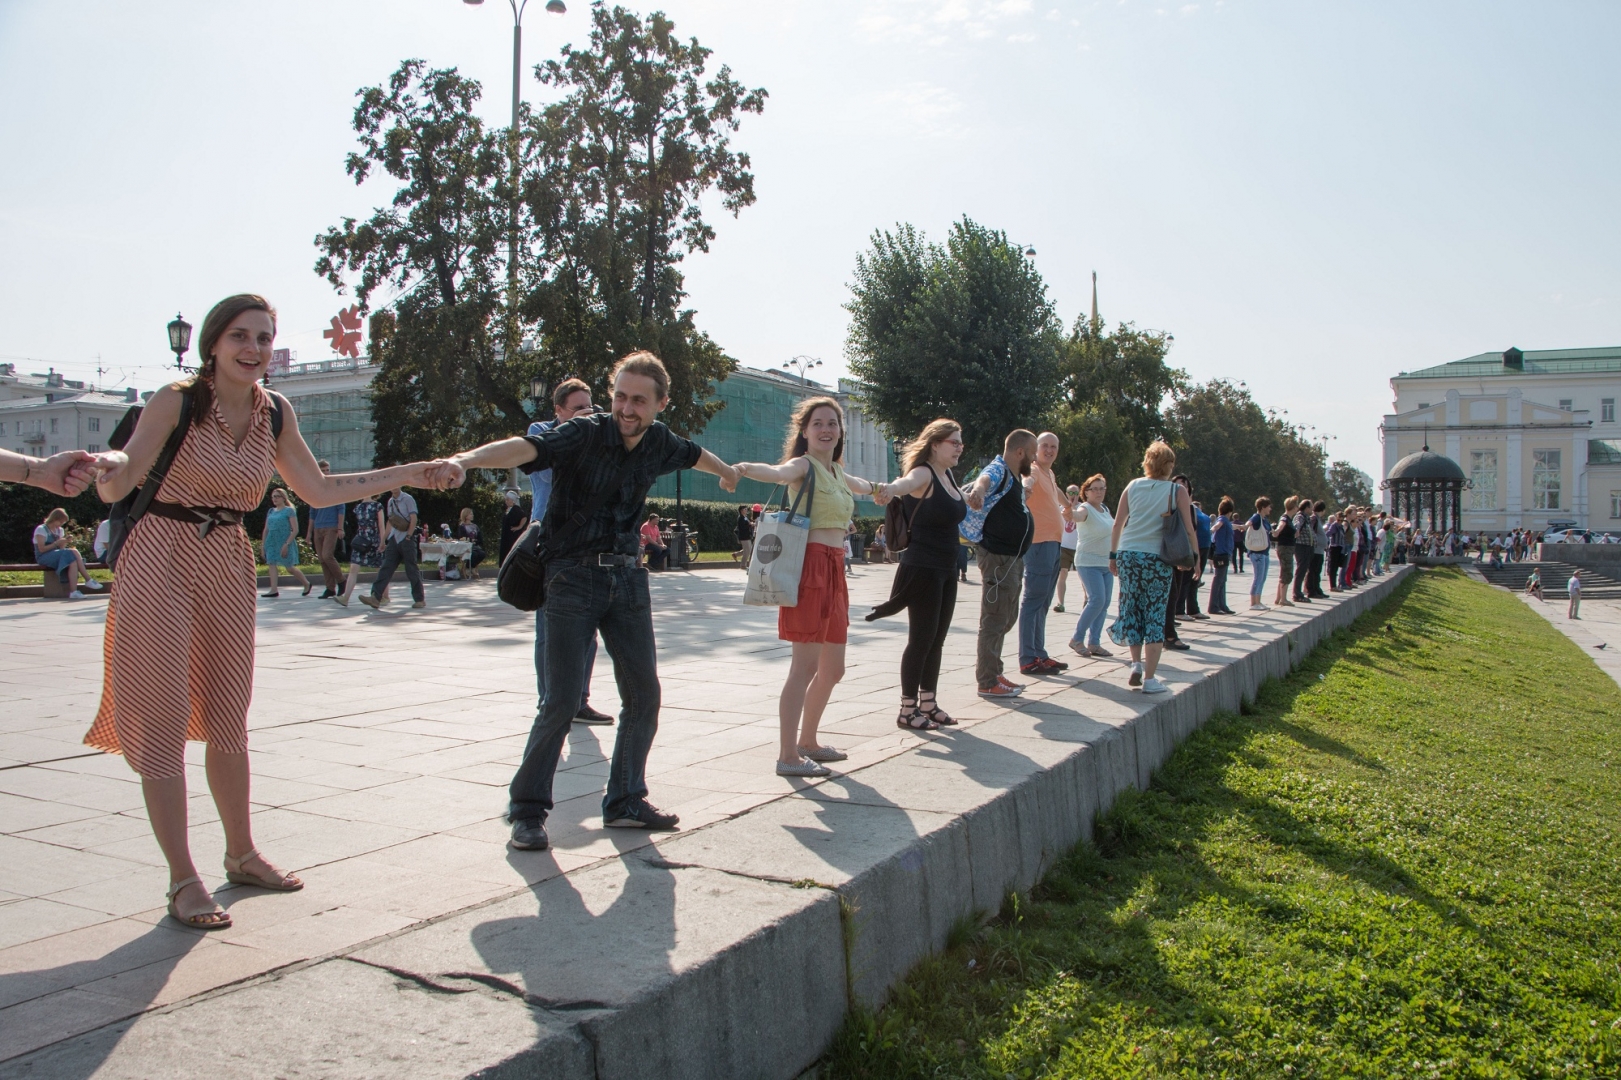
[{"x": 931, "y": 599}]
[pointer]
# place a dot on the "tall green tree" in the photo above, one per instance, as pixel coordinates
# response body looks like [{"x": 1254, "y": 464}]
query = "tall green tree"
[
  {"x": 615, "y": 183},
  {"x": 963, "y": 330},
  {"x": 1228, "y": 445},
  {"x": 442, "y": 381},
  {"x": 1115, "y": 385},
  {"x": 1349, "y": 485}
]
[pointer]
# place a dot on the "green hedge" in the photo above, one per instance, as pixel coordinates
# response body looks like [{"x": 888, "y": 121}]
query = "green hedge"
[{"x": 23, "y": 507}]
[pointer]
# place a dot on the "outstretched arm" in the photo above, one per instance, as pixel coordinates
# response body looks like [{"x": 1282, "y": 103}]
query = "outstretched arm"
[
  {"x": 67, "y": 473},
  {"x": 714, "y": 466},
  {"x": 789, "y": 472},
  {"x": 1122, "y": 514},
  {"x": 297, "y": 466},
  {"x": 910, "y": 484}
]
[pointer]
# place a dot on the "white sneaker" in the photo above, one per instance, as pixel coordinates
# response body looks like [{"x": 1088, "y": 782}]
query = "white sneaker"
[
  {"x": 1136, "y": 678},
  {"x": 92, "y": 584},
  {"x": 1154, "y": 686},
  {"x": 75, "y": 595},
  {"x": 1259, "y": 607}
]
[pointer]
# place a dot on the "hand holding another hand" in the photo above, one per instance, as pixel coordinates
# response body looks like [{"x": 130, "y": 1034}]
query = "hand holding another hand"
[
  {"x": 441, "y": 474},
  {"x": 728, "y": 480},
  {"x": 975, "y": 500}
]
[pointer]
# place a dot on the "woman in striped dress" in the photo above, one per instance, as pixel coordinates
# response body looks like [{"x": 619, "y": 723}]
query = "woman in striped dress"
[{"x": 180, "y": 632}]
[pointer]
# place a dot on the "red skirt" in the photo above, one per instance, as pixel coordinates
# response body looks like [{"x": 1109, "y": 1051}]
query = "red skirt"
[{"x": 823, "y": 612}]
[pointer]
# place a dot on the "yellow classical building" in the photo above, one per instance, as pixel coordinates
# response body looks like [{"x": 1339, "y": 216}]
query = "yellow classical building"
[{"x": 1535, "y": 432}]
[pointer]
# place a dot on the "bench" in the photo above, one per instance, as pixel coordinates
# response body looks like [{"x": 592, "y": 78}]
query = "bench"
[{"x": 53, "y": 584}]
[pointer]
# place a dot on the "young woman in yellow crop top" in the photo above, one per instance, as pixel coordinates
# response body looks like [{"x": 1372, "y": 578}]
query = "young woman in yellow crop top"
[{"x": 818, "y": 626}]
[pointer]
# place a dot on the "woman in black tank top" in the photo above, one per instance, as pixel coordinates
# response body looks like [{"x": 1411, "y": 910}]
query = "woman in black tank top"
[{"x": 926, "y": 583}]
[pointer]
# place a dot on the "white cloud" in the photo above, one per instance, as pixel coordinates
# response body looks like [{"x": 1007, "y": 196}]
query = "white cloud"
[
  {"x": 1021, "y": 39},
  {"x": 936, "y": 22},
  {"x": 924, "y": 109}
]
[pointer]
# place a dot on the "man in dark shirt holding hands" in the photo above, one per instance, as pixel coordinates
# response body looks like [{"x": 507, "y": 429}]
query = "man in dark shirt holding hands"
[{"x": 594, "y": 585}]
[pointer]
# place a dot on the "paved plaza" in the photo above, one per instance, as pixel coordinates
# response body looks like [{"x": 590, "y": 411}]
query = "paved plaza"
[{"x": 382, "y": 745}]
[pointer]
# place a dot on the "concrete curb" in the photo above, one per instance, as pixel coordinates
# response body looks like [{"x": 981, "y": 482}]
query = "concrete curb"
[{"x": 733, "y": 950}]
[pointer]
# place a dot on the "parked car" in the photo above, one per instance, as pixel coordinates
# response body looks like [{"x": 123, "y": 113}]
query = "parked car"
[{"x": 1569, "y": 535}]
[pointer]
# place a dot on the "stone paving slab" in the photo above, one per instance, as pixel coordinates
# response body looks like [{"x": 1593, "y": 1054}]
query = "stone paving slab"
[{"x": 382, "y": 745}]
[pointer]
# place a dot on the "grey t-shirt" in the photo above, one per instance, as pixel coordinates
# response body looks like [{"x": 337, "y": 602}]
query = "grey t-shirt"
[{"x": 402, "y": 505}]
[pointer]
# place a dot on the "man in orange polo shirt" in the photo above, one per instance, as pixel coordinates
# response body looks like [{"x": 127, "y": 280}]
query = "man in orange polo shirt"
[{"x": 1048, "y": 511}]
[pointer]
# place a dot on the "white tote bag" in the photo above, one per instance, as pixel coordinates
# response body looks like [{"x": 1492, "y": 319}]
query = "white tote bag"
[{"x": 779, "y": 551}]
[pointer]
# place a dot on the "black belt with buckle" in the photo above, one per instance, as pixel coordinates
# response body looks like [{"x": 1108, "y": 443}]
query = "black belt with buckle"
[
  {"x": 205, "y": 518},
  {"x": 609, "y": 559}
]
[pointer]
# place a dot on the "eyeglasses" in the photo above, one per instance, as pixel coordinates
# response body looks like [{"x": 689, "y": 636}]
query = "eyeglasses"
[{"x": 952, "y": 442}]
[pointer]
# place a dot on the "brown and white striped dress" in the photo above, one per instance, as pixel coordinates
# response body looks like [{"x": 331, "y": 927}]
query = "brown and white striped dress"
[{"x": 180, "y": 624}]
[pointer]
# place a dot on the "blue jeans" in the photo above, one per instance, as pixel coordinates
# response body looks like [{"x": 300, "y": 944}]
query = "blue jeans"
[
  {"x": 1099, "y": 585},
  {"x": 583, "y": 600},
  {"x": 61, "y": 560},
  {"x": 540, "y": 664},
  {"x": 1259, "y": 561},
  {"x": 1040, "y": 580}
]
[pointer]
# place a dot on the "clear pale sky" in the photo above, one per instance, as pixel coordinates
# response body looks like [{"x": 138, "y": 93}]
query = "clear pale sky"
[{"x": 1310, "y": 196}]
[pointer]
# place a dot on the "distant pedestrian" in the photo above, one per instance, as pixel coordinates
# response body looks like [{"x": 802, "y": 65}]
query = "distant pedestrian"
[
  {"x": 280, "y": 542},
  {"x": 1305, "y": 547},
  {"x": 1258, "y": 546},
  {"x": 1222, "y": 549},
  {"x": 1283, "y": 535},
  {"x": 399, "y": 547},
  {"x": 467, "y": 529},
  {"x": 366, "y": 549},
  {"x": 1574, "y": 587},
  {"x": 514, "y": 521},
  {"x": 54, "y": 551},
  {"x": 1319, "y": 551},
  {"x": 744, "y": 532},
  {"x": 325, "y": 530},
  {"x": 1134, "y": 557},
  {"x": 1181, "y": 582},
  {"x": 926, "y": 582},
  {"x": 654, "y": 550},
  {"x": 1533, "y": 583},
  {"x": 1000, "y": 526},
  {"x": 1094, "y": 529}
]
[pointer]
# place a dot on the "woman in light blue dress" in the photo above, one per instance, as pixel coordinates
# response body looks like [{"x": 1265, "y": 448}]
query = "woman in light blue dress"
[{"x": 281, "y": 541}]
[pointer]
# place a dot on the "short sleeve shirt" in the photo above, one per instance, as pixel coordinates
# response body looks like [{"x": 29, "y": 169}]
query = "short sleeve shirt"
[{"x": 404, "y": 506}]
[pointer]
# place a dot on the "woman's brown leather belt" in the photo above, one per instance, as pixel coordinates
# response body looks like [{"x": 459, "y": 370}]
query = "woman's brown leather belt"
[{"x": 204, "y": 517}]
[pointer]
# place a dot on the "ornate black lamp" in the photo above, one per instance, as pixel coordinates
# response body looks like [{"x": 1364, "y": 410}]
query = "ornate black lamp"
[{"x": 179, "y": 339}]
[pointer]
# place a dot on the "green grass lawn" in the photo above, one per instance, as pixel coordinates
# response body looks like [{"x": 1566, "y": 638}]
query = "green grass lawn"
[{"x": 1401, "y": 862}]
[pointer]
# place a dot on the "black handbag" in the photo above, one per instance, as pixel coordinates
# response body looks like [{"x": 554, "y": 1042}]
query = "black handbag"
[
  {"x": 1175, "y": 545},
  {"x": 521, "y": 581}
]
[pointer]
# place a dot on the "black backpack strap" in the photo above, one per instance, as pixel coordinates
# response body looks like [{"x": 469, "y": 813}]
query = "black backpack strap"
[
  {"x": 160, "y": 468},
  {"x": 278, "y": 413}
]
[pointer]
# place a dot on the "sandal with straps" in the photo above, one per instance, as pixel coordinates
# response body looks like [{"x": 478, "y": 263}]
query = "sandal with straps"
[
  {"x": 935, "y": 713},
  {"x": 218, "y": 919},
  {"x": 911, "y": 719},
  {"x": 236, "y": 875}
]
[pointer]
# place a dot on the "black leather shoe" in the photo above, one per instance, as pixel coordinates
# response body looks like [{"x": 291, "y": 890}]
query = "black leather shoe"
[
  {"x": 588, "y": 715},
  {"x": 1178, "y": 645},
  {"x": 529, "y": 835}
]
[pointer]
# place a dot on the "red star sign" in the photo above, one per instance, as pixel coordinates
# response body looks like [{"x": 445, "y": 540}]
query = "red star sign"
[{"x": 345, "y": 332}]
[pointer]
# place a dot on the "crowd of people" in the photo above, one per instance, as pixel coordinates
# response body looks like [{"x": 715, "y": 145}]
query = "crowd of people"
[{"x": 180, "y": 631}]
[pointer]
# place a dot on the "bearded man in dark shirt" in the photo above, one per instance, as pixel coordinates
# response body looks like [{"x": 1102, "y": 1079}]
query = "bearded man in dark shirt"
[{"x": 594, "y": 585}]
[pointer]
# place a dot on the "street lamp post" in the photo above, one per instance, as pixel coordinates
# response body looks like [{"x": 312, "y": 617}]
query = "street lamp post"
[
  {"x": 556, "y": 7},
  {"x": 179, "y": 339},
  {"x": 802, "y": 364}
]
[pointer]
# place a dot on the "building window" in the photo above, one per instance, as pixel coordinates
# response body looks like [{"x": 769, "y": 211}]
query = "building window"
[
  {"x": 53, "y": 425},
  {"x": 94, "y": 448},
  {"x": 93, "y": 424},
  {"x": 1483, "y": 479},
  {"x": 1615, "y": 504},
  {"x": 1565, "y": 403},
  {"x": 1423, "y": 404},
  {"x": 2, "y": 427},
  {"x": 1606, "y": 410},
  {"x": 1545, "y": 465},
  {"x": 54, "y": 449}
]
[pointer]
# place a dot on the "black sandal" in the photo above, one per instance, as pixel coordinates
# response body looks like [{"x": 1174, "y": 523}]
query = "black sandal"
[
  {"x": 911, "y": 719},
  {"x": 938, "y": 716}
]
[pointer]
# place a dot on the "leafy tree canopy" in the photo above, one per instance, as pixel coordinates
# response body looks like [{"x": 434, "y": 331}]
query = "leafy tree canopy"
[
  {"x": 1349, "y": 485},
  {"x": 1228, "y": 445},
  {"x": 963, "y": 330}
]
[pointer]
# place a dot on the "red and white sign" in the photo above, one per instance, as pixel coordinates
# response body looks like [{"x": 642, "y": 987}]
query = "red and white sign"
[{"x": 345, "y": 332}]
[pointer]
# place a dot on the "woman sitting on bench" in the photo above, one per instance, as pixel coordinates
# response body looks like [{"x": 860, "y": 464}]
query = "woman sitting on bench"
[{"x": 53, "y": 552}]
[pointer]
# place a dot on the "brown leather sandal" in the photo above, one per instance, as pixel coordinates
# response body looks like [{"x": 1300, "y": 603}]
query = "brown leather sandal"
[
  {"x": 218, "y": 919},
  {"x": 238, "y": 876}
]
